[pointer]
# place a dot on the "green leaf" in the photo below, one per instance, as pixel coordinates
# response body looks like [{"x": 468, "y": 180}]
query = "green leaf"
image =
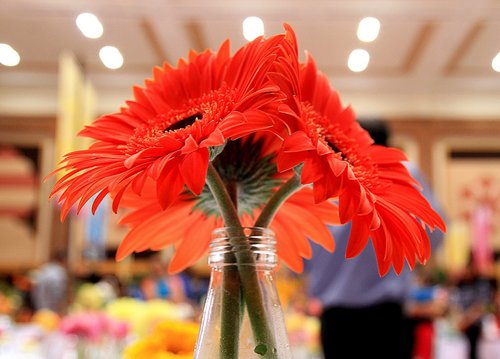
[
  {"x": 261, "y": 349},
  {"x": 214, "y": 151}
]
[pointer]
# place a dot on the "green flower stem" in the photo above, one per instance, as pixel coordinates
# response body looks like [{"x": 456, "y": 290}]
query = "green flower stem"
[
  {"x": 277, "y": 199},
  {"x": 231, "y": 302},
  {"x": 249, "y": 283},
  {"x": 222, "y": 197},
  {"x": 232, "y": 189},
  {"x": 231, "y": 313}
]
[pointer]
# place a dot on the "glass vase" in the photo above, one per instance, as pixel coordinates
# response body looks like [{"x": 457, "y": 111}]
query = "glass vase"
[{"x": 242, "y": 317}]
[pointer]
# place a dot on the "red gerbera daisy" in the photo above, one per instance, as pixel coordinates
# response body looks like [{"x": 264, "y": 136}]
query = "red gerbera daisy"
[
  {"x": 373, "y": 187},
  {"x": 247, "y": 164},
  {"x": 167, "y": 131},
  {"x": 189, "y": 228}
]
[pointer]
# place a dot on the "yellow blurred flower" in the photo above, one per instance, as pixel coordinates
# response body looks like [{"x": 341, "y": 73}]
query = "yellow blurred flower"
[
  {"x": 6, "y": 305},
  {"x": 88, "y": 297},
  {"x": 46, "y": 319},
  {"x": 169, "y": 340},
  {"x": 304, "y": 330},
  {"x": 142, "y": 316}
]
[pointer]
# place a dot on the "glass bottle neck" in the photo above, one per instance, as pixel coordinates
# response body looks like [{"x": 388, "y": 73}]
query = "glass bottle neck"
[{"x": 252, "y": 246}]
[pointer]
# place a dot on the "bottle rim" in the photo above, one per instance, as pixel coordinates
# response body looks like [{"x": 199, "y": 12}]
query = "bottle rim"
[
  {"x": 246, "y": 230},
  {"x": 256, "y": 247}
]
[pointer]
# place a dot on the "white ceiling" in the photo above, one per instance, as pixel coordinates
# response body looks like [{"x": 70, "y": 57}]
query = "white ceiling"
[{"x": 432, "y": 58}]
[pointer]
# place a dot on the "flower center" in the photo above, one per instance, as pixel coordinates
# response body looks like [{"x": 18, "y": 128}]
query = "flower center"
[
  {"x": 188, "y": 121},
  {"x": 336, "y": 149},
  {"x": 320, "y": 128},
  {"x": 191, "y": 118}
]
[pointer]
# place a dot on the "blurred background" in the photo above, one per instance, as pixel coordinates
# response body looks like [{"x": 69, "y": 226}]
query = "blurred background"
[{"x": 429, "y": 68}]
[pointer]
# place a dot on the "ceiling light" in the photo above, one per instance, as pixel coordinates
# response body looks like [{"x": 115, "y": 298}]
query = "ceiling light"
[
  {"x": 8, "y": 56},
  {"x": 89, "y": 25},
  {"x": 368, "y": 29},
  {"x": 495, "y": 63},
  {"x": 358, "y": 60},
  {"x": 253, "y": 27},
  {"x": 111, "y": 57}
]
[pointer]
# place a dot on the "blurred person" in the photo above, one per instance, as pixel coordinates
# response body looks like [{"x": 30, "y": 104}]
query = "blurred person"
[
  {"x": 426, "y": 303},
  {"x": 361, "y": 313},
  {"x": 474, "y": 297},
  {"x": 50, "y": 284},
  {"x": 161, "y": 284}
]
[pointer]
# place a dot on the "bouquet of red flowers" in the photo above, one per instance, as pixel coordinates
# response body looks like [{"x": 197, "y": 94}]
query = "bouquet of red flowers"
[{"x": 251, "y": 139}]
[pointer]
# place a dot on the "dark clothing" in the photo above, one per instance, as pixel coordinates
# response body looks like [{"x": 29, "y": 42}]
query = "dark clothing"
[
  {"x": 473, "y": 334},
  {"x": 376, "y": 331},
  {"x": 474, "y": 294}
]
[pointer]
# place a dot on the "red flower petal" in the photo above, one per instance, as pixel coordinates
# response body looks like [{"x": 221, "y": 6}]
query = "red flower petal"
[
  {"x": 169, "y": 184},
  {"x": 358, "y": 237},
  {"x": 194, "y": 170},
  {"x": 186, "y": 253}
]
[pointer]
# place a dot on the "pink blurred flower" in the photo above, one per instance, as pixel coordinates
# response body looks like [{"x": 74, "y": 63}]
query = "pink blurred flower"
[
  {"x": 118, "y": 329},
  {"x": 93, "y": 326}
]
